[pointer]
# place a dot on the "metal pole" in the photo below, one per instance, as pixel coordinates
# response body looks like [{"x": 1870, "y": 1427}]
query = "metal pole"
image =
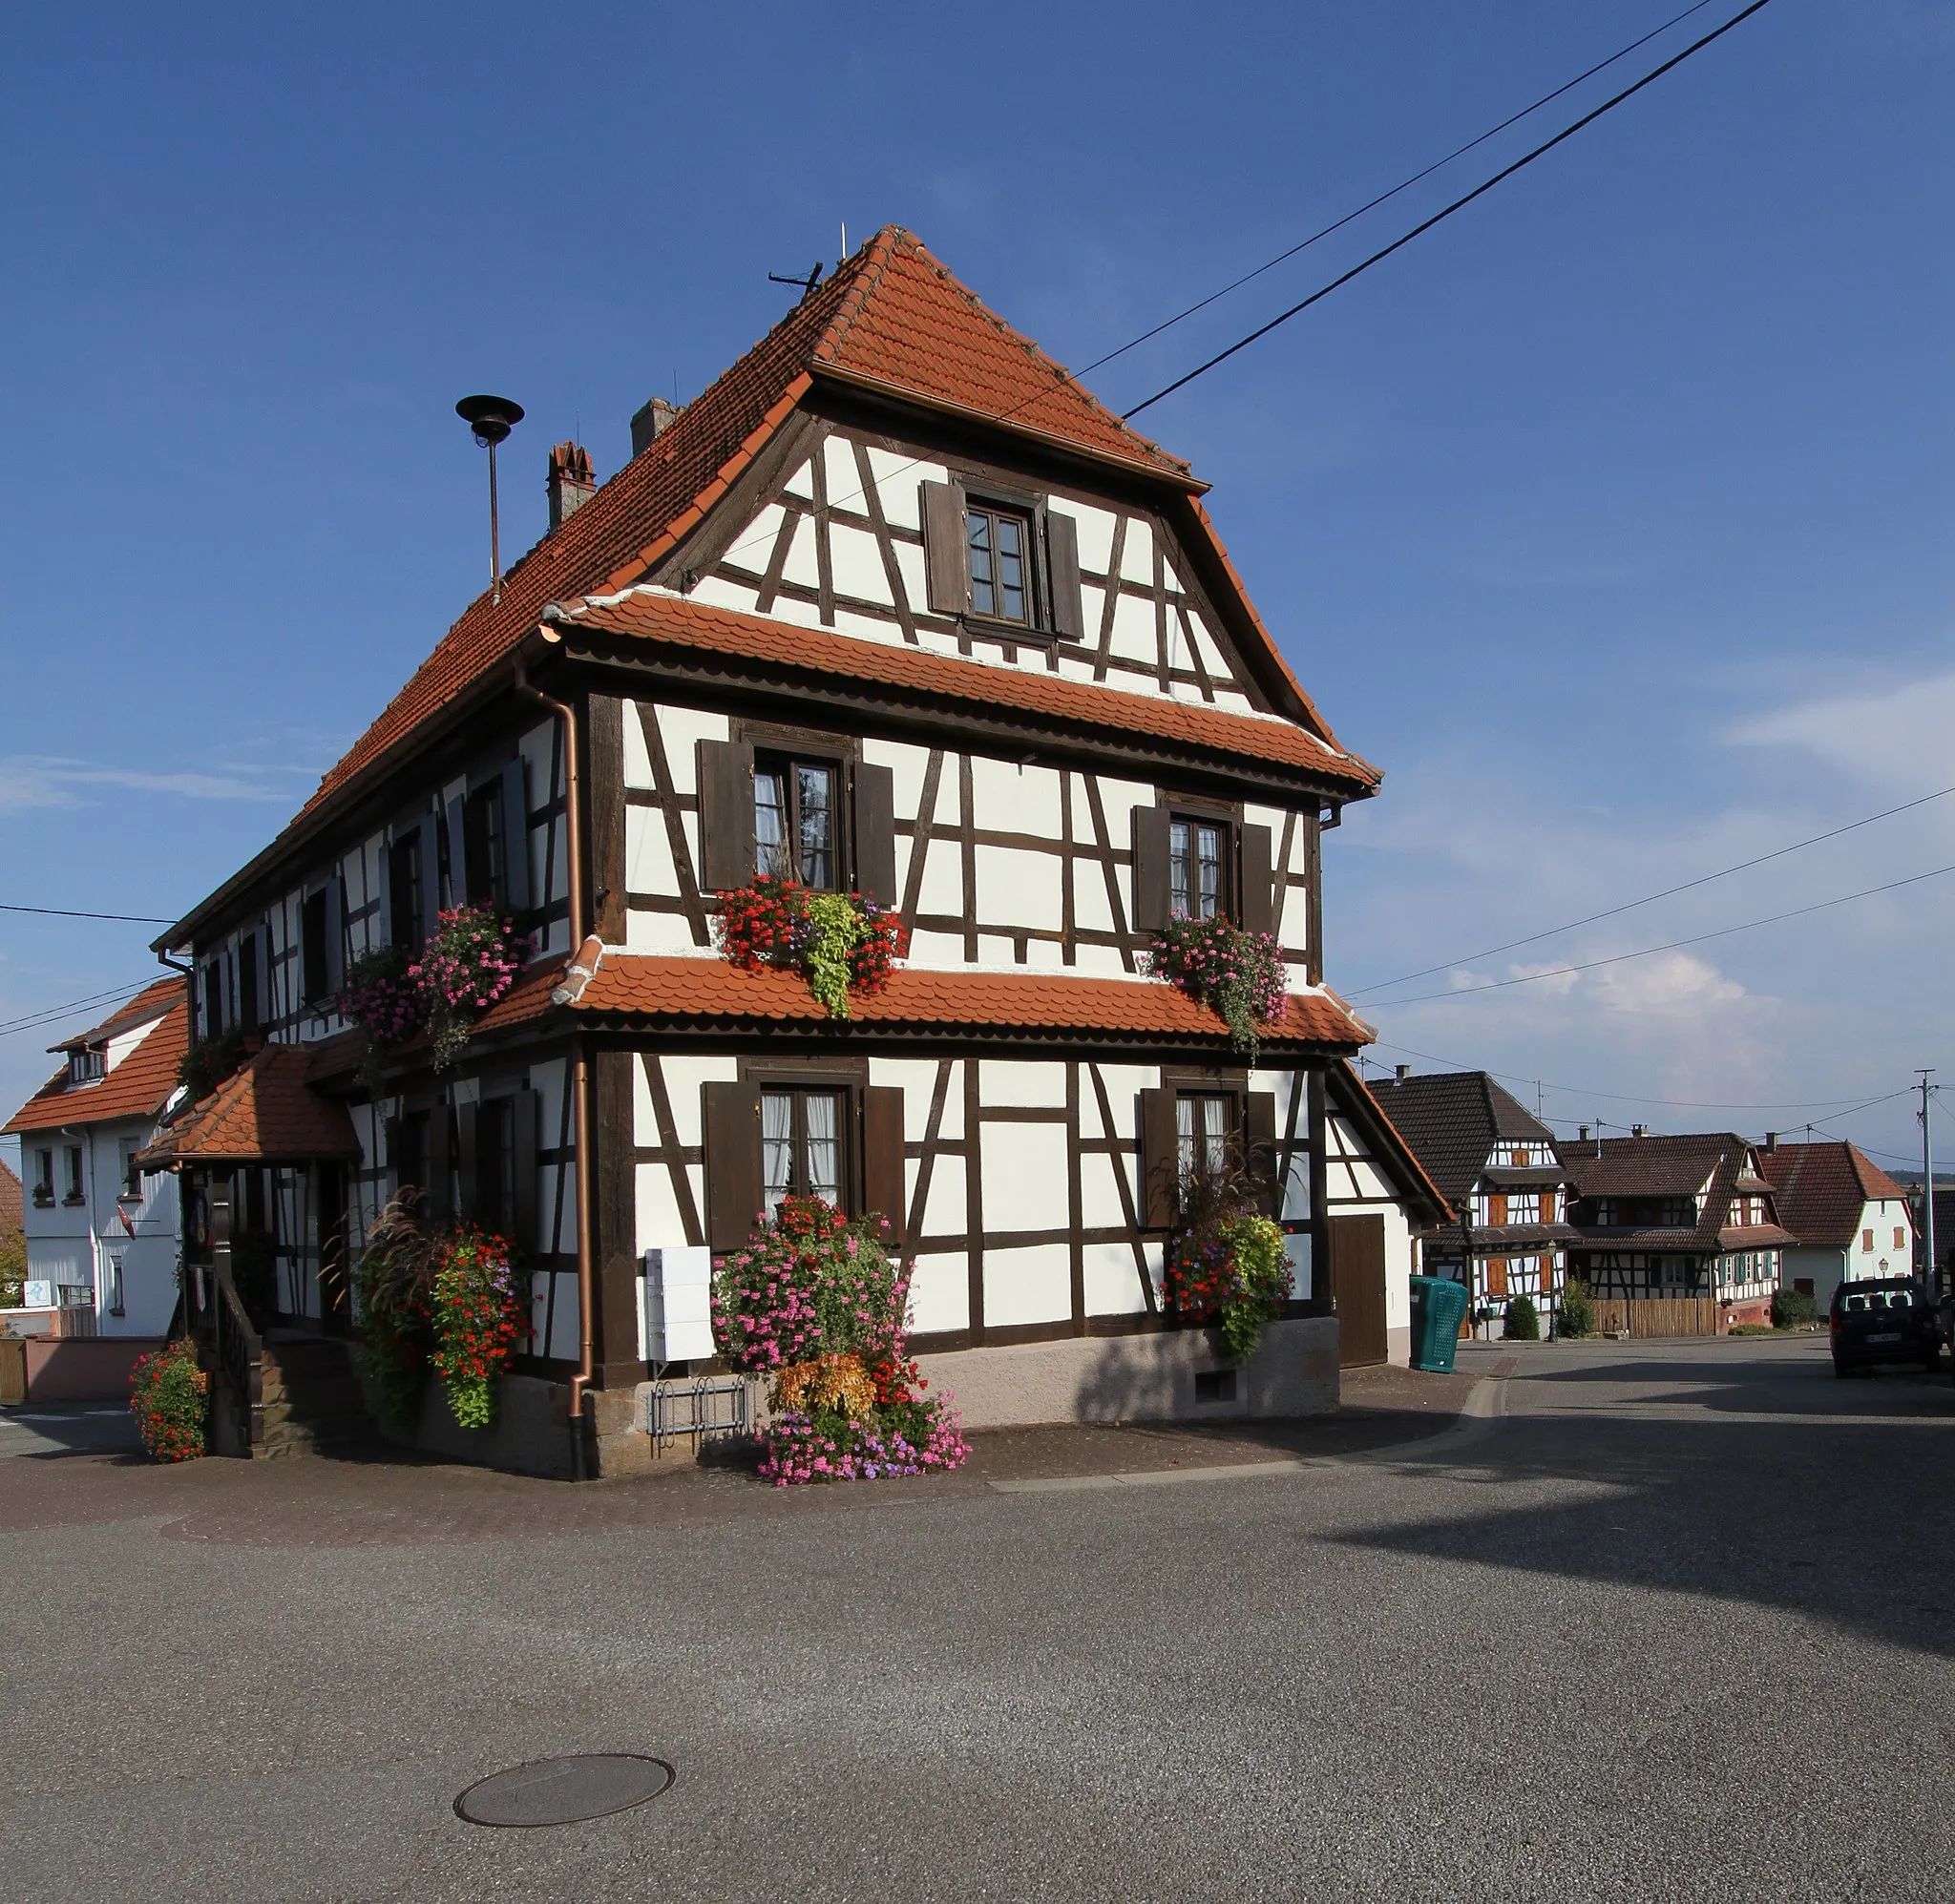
[
  {"x": 494, "y": 534},
  {"x": 1927, "y": 1183}
]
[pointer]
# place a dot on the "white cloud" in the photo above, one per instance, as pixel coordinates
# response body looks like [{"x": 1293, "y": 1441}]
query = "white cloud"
[
  {"x": 1670, "y": 984},
  {"x": 31, "y": 779},
  {"x": 1883, "y": 736}
]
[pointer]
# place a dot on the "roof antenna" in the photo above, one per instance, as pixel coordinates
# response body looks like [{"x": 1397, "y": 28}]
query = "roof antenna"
[
  {"x": 845, "y": 244},
  {"x": 491, "y": 419},
  {"x": 806, "y": 283}
]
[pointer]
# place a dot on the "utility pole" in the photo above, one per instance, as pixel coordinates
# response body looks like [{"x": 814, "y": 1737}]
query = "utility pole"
[{"x": 1927, "y": 1182}]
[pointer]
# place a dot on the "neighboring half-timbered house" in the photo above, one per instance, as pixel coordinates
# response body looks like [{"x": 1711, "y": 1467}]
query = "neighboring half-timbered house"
[
  {"x": 895, "y": 606},
  {"x": 1497, "y": 1165}
]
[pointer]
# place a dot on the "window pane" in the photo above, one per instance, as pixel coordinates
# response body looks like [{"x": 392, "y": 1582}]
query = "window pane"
[
  {"x": 817, "y": 790},
  {"x": 1179, "y": 884},
  {"x": 1214, "y": 1132},
  {"x": 1011, "y": 568},
  {"x": 823, "y": 1159},
  {"x": 983, "y": 599},
  {"x": 770, "y": 822},
  {"x": 776, "y": 1146},
  {"x": 1208, "y": 849},
  {"x": 1185, "y": 1136}
]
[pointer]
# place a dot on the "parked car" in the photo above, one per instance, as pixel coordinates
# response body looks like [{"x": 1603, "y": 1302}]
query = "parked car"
[{"x": 1883, "y": 1319}]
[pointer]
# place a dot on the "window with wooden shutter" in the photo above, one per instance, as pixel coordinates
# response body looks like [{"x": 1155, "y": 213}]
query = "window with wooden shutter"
[
  {"x": 525, "y": 1115},
  {"x": 314, "y": 985},
  {"x": 250, "y": 979},
  {"x": 429, "y": 860},
  {"x": 515, "y": 832},
  {"x": 875, "y": 833},
  {"x": 440, "y": 1184},
  {"x": 733, "y": 1162},
  {"x": 885, "y": 1180},
  {"x": 455, "y": 864},
  {"x": 945, "y": 559},
  {"x": 1063, "y": 575},
  {"x": 468, "y": 1127},
  {"x": 1259, "y": 1144},
  {"x": 726, "y": 814}
]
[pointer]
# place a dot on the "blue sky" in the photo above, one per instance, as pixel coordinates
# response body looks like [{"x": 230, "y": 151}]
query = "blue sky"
[{"x": 1611, "y": 518}]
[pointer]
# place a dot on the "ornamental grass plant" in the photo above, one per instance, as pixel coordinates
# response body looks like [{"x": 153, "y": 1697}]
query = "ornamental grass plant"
[
  {"x": 169, "y": 1396},
  {"x": 815, "y": 1302}
]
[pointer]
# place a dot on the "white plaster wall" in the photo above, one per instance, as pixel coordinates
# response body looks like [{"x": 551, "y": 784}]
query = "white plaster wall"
[
  {"x": 1025, "y": 1176},
  {"x": 1030, "y": 1284},
  {"x": 939, "y": 1294}
]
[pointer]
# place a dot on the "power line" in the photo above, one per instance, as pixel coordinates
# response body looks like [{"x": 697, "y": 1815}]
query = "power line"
[
  {"x": 1673, "y": 945},
  {"x": 47, "y": 1016},
  {"x": 1458, "y": 204},
  {"x": 1650, "y": 899},
  {"x": 763, "y": 539},
  {"x": 1403, "y": 185},
  {"x": 63, "y": 912}
]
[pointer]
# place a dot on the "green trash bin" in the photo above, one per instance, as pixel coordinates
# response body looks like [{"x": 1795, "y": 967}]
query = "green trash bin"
[{"x": 1439, "y": 1305}]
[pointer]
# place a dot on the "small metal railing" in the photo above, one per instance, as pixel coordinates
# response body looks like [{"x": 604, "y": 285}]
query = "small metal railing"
[{"x": 707, "y": 1408}]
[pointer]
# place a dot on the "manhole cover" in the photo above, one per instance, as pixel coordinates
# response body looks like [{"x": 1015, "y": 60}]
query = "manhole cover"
[{"x": 564, "y": 1791}]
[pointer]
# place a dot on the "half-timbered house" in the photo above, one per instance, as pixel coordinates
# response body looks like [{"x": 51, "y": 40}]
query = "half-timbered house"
[
  {"x": 1687, "y": 1221},
  {"x": 897, "y": 607},
  {"x": 1497, "y": 1165}
]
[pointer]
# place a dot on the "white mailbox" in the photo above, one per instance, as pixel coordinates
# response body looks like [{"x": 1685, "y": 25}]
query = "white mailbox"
[{"x": 678, "y": 1304}]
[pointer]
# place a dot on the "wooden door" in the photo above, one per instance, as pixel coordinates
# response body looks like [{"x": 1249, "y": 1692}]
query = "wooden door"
[{"x": 1357, "y": 1287}]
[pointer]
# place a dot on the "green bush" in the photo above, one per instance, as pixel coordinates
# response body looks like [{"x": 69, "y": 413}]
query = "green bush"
[
  {"x": 1524, "y": 1321},
  {"x": 1792, "y": 1308},
  {"x": 13, "y": 1271},
  {"x": 1577, "y": 1311}
]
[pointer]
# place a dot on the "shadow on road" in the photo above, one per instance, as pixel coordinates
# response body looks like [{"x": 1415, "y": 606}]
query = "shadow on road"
[{"x": 1832, "y": 1508}]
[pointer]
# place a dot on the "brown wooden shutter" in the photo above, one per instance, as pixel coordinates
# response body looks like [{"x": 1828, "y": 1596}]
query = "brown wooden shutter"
[
  {"x": 733, "y": 1185},
  {"x": 1257, "y": 909},
  {"x": 726, "y": 815},
  {"x": 875, "y": 833},
  {"x": 885, "y": 1186},
  {"x": 1062, "y": 575},
  {"x": 945, "y": 555},
  {"x": 430, "y": 877},
  {"x": 1160, "y": 1159},
  {"x": 457, "y": 852},
  {"x": 515, "y": 836},
  {"x": 1259, "y": 1144},
  {"x": 438, "y": 1203},
  {"x": 335, "y": 936},
  {"x": 524, "y": 1114},
  {"x": 1150, "y": 869},
  {"x": 467, "y": 1153}
]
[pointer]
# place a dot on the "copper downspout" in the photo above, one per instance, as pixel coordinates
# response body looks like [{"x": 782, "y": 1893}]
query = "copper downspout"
[{"x": 572, "y": 789}]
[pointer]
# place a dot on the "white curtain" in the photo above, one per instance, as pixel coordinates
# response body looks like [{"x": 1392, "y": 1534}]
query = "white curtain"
[
  {"x": 824, "y": 1152},
  {"x": 776, "y": 1146}
]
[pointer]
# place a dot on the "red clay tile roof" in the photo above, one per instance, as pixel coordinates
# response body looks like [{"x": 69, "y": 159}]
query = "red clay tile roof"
[
  {"x": 12, "y": 1204},
  {"x": 1822, "y": 1187},
  {"x": 137, "y": 1087},
  {"x": 893, "y": 316},
  {"x": 263, "y": 1113},
  {"x": 658, "y": 991},
  {"x": 654, "y": 614},
  {"x": 1350, "y": 1094}
]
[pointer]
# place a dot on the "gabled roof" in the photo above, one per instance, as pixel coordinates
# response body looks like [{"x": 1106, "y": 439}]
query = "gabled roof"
[
  {"x": 1679, "y": 1165},
  {"x": 261, "y": 1114},
  {"x": 910, "y": 675},
  {"x": 1351, "y": 1094},
  {"x": 891, "y": 320},
  {"x": 1822, "y": 1187},
  {"x": 139, "y": 1084},
  {"x": 1452, "y": 1119}
]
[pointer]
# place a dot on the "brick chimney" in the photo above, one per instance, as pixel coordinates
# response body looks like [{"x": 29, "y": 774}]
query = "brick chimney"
[
  {"x": 1404, "y": 1072},
  {"x": 1639, "y": 1130},
  {"x": 650, "y": 424},
  {"x": 570, "y": 482},
  {"x": 1771, "y": 1140}
]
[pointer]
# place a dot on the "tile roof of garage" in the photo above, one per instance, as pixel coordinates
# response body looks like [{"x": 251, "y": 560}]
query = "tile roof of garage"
[
  {"x": 656, "y": 990},
  {"x": 263, "y": 1113},
  {"x": 140, "y": 1082},
  {"x": 658, "y": 615}
]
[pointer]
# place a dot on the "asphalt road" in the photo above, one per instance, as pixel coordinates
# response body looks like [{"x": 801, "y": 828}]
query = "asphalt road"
[{"x": 1666, "y": 1621}]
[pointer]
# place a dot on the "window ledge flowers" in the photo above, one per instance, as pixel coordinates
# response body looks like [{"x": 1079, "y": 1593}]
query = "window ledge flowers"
[
  {"x": 814, "y": 1302},
  {"x": 1239, "y": 974},
  {"x": 472, "y": 960},
  {"x": 839, "y": 942}
]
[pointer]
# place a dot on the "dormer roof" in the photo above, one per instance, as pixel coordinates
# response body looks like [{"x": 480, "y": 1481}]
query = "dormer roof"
[{"x": 137, "y": 1085}]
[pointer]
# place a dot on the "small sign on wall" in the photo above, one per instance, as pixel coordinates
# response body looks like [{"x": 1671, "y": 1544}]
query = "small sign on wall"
[
  {"x": 676, "y": 1317},
  {"x": 39, "y": 1295}
]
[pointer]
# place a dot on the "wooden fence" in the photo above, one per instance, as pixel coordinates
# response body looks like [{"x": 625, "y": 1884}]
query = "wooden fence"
[{"x": 1643, "y": 1316}]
